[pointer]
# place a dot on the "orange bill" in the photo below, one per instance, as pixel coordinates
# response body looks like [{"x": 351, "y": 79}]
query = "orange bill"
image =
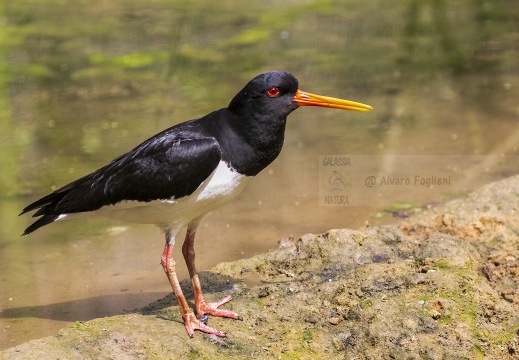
[{"x": 304, "y": 98}]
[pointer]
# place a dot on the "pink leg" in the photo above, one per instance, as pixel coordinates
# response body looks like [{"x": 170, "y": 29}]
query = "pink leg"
[
  {"x": 190, "y": 321},
  {"x": 202, "y": 307}
]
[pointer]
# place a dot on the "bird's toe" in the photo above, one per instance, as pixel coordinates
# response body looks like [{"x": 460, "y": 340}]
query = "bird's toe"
[
  {"x": 192, "y": 323},
  {"x": 204, "y": 308}
]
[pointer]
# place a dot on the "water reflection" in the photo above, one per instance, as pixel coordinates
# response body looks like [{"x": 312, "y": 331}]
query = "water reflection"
[{"x": 81, "y": 84}]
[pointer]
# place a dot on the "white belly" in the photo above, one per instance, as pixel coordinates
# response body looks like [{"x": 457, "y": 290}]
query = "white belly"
[{"x": 221, "y": 187}]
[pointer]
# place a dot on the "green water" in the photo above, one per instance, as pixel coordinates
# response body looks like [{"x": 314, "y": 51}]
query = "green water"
[{"x": 83, "y": 82}]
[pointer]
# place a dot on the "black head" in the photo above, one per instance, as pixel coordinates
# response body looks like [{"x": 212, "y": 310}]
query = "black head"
[
  {"x": 267, "y": 95},
  {"x": 257, "y": 117},
  {"x": 259, "y": 111}
]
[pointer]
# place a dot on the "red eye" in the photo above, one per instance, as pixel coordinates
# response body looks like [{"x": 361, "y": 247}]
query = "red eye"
[{"x": 273, "y": 92}]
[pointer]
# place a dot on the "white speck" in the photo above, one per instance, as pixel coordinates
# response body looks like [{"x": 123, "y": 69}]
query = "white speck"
[
  {"x": 271, "y": 171},
  {"x": 114, "y": 230}
]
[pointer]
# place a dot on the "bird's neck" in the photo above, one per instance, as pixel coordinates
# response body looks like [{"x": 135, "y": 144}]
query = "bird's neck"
[{"x": 257, "y": 141}]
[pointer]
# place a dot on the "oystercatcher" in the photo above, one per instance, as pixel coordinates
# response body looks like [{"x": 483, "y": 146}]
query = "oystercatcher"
[{"x": 175, "y": 177}]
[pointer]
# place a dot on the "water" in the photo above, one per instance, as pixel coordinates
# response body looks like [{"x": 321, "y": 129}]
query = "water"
[{"x": 84, "y": 83}]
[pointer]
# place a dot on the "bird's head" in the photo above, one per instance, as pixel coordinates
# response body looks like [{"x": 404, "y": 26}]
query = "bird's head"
[{"x": 276, "y": 94}]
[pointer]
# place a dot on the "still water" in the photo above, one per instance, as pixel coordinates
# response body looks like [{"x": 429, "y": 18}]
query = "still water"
[{"x": 83, "y": 83}]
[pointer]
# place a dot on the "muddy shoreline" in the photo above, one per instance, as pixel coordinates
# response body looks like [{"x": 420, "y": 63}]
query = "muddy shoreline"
[{"x": 439, "y": 285}]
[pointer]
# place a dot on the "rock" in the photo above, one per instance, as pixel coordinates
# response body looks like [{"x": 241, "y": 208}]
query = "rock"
[{"x": 335, "y": 320}]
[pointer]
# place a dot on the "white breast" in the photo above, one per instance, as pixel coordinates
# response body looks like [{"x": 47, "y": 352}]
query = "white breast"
[
  {"x": 221, "y": 187},
  {"x": 224, "y": 183}
]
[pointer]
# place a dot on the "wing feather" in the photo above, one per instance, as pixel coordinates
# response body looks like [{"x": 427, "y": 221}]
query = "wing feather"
[{"x": 166, "y": 166}]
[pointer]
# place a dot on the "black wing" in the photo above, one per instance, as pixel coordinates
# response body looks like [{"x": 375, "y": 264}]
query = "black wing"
[{"x": 165, "y": 166}]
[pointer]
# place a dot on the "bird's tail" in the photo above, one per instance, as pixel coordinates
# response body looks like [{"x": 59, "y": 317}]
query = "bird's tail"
[
  {"x": 44, "y": 220},
  {"x": 43, "y": 205}
]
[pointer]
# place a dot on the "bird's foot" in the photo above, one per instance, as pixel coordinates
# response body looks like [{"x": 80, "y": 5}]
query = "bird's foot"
[
  {"x": 192, "y": 323},
  {"x": 203, "y": 308}
]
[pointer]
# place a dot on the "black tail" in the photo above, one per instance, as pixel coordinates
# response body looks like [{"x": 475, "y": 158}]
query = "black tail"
[
  {"x": 42, "y": 205},
  {"x": 44, "y": 220}
]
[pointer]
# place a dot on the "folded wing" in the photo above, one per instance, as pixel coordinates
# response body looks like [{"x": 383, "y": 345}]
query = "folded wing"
[{"x": 163, "y": 167}]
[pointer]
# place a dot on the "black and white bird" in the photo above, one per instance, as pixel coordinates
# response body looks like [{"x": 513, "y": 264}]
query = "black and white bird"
[{"x": 177, "y": 176}]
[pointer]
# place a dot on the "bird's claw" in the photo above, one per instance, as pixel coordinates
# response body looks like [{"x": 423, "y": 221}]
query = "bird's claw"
[
  {"x": 192, "y": 323},
  {"x": 203, "y": 308}
]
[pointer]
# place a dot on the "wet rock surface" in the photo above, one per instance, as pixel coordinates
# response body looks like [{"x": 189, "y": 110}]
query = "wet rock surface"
[{"x": 439, "y": 286}]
